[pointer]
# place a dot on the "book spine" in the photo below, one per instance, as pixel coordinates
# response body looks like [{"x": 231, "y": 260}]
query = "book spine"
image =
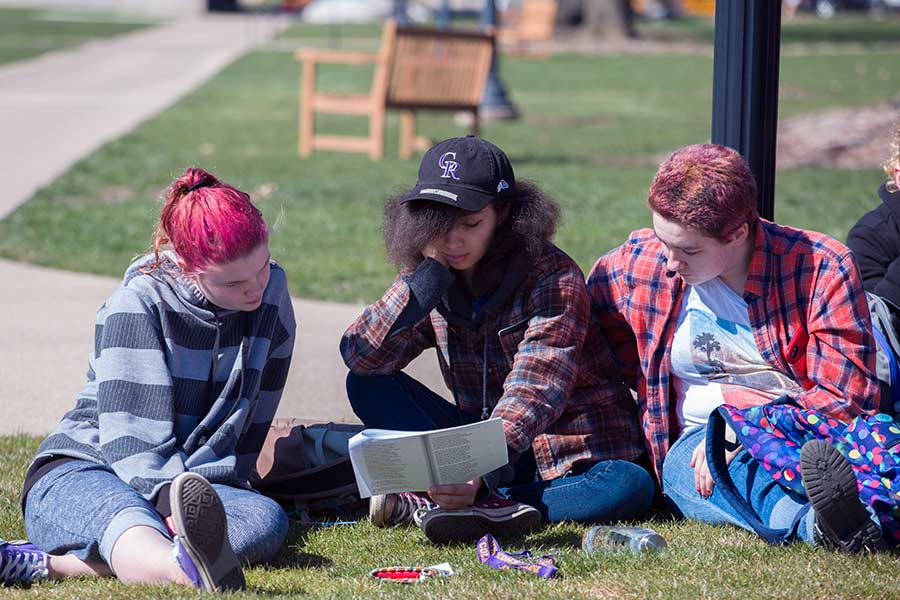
[{"x": 429, "y": 455}]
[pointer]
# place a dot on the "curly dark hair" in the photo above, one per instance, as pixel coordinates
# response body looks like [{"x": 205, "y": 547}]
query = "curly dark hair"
[{"x": 528, "y": 217}]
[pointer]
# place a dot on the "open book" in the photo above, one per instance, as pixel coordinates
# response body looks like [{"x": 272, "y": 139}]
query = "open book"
[{"x": 387, "y": 461}]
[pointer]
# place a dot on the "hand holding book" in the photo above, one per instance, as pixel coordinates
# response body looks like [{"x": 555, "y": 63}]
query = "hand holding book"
[{"x": 387, "y": 461}]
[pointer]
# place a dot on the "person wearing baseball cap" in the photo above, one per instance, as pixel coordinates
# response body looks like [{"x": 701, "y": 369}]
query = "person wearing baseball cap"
[{"x": 509, "y": 315}]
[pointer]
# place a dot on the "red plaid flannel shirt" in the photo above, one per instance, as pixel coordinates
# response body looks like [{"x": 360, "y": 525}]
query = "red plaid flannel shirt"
[
  {"x": 548, "y": 369},
  {"x": 807, "y": 309}
]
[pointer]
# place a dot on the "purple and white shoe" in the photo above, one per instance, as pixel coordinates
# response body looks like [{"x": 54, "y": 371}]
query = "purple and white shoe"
[
  {"x": 22, "y": 563},
  {"x": 186, "y": 563},
  {"x": 202, "y": 548}
]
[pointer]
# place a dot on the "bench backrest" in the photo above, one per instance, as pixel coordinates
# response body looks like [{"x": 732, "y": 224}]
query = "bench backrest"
[
  {"x": 438, "y": 69},
  {"x": 537, "y": 20}
]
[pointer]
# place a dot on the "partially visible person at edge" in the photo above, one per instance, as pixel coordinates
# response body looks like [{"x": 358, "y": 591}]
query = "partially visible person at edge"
[
  {"x": 146, "y": 478},
  {"x": 716, "y": 305},
  {"x": 510, "y": 317},
  {"x": 875, "y": 239}
]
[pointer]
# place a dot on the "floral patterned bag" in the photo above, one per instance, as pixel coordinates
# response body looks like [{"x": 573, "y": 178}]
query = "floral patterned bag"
[{"x": 774, "y": 433}]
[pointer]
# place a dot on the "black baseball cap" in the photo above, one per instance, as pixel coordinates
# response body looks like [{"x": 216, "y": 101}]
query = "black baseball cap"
[{"x": 465, "y": 172}]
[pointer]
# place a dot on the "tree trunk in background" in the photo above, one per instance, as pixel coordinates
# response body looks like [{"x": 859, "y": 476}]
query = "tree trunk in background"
[
  {"x": 607, "y": 19},
  {"x": 673, "y": 8}
]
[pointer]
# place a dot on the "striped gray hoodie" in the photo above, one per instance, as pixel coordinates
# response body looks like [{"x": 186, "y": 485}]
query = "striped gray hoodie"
[{"x": 176, "y": 384}]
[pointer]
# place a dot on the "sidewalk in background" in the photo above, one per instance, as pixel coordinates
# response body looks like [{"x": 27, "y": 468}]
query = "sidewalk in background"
[
  {"x": 47, "y": 327},
  {"x": 157, "y": 9},
  {"x": 58, "y": 107},
  {"x": 55, "y": 110}
]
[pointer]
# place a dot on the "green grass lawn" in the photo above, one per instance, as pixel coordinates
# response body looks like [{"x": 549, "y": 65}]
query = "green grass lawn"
[
  {"x": 853, "y": 28},
  {"x": 25, "y": 33},
  {"x": 592, "y": 131},
  {"x": 700, "y": 562}
]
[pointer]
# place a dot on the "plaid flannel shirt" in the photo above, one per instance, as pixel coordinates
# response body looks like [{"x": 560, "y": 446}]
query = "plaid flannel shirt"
[
  {"x": 550, "y": 375},
  {"x": 806, "y": 306}
]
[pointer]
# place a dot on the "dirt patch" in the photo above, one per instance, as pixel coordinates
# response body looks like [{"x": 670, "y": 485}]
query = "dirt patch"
[
  {"x": 576, "y": 43},
  {"x": 844, "y": 138},
  {"x": 793, "y": 92}
]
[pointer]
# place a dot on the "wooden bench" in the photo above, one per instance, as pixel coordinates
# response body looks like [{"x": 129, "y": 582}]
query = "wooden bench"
[
  {"x": 529, "y": 27},
  {"x": 416, "y": 68}
]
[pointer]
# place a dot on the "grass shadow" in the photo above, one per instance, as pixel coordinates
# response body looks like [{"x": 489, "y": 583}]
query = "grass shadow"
[
  {"x": 302, "y": 560},
  {"x": 292, "y": 558},
  {"x": 556, "y": 539}
]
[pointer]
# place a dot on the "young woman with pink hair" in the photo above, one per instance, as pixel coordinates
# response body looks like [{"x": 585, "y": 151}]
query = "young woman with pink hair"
[
  {"x": 716, "y": 305},
  {"x": 146, "y": 477}
]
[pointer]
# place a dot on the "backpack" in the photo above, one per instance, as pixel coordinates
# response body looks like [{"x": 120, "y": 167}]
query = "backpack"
[
  {"x": 773, "y": 434},
  {"x": 305, "y": 466},
  {"x": 887, "y": 354}
]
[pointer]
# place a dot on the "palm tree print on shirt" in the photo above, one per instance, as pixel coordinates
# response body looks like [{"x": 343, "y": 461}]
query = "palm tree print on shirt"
[{"x": 707, "y": 343}]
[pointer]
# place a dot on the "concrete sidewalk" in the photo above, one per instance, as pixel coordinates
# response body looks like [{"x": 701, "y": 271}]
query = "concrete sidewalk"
[
  {"x": 47, "y": 328},
  {"x": 55, "y": 110},
  {"x": 59, "y": 107}
]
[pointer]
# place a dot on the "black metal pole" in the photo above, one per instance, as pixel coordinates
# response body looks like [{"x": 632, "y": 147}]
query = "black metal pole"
[{"x": 745, "y": 87}]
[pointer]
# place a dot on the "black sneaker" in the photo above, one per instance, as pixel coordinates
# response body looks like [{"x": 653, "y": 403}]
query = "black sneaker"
[
  {"x": 495, "y": 515},
  {"x": 203, "y": 534},
  {"x": 841, "y": 519}
]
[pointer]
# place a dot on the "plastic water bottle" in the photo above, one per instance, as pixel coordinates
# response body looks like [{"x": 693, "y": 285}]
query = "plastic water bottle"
[{"x": 613, "y": 538}]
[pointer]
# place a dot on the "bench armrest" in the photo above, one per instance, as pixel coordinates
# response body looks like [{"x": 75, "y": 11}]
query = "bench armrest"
[{"x": 335, "y": 56}]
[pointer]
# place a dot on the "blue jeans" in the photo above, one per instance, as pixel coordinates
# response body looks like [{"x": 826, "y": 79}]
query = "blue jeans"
[
  {"x": 608, "y": 490},
  {"x": 778, "y": 508},
  {"x": 82, "y": 508}
]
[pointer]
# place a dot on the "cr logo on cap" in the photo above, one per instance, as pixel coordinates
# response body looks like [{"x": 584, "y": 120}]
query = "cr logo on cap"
[{"x": 448, "y": 165}]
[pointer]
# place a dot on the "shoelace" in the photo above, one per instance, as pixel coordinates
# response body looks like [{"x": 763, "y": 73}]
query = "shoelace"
[
  {"x": 409, "y": 506},
  {"x": 23, "y": 565},
  {"x": 418, "y": 514},
  {"x": 490, "y": 554}
]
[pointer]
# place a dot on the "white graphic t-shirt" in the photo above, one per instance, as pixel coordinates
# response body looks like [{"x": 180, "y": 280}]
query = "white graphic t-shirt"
[{"x": 714, "y": 356}]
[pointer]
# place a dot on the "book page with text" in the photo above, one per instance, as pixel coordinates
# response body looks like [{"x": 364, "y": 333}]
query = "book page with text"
[
  {"x": 386, "y": 465},
  {"x": 386, "y": 461},
  {"x": 460, "y": 454}
]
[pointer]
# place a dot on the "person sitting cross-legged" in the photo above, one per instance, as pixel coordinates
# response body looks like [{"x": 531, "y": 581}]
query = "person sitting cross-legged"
[
  {"x": 509, "y": 316},
  {"x": 146, "y": 477}
]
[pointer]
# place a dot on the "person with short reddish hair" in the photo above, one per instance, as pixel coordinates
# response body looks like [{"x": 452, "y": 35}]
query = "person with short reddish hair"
[
  {"x": 716, "y": 305},
  {"x": 146, "y": 478}
]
